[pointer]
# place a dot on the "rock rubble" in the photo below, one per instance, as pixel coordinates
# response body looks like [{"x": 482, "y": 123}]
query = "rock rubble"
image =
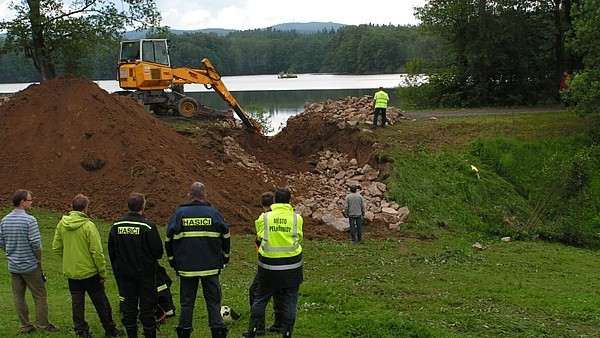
[
  {"x": 349, "y": 112},
  {"x": 325, "y": 188},
  {"x": 334, "y": 174}
]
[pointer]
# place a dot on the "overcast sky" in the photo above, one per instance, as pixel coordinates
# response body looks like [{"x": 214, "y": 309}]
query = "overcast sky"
[{"x": 249, "y": 14}]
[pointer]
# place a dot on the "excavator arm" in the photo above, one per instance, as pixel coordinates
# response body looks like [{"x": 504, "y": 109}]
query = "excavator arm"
[{"x": 212, "y": 79}]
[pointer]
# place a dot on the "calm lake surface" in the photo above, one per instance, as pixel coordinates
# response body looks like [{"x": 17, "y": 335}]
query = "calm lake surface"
[{"x": 279, "y": 99}]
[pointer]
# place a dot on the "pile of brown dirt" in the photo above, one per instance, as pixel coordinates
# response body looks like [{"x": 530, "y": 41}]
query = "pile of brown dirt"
[{"x": 67, "y": 136}]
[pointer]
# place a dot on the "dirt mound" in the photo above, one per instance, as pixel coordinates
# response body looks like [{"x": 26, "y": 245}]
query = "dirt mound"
[{"x": 67, "y": 136}]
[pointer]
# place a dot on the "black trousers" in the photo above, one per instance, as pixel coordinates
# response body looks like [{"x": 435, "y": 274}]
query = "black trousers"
[
  {"x": 95, "y": 290},
  {"x": 138, "y": 292},
  {"x": 277, "y": 305},
  {"x": 287, "y": 299},
  {"x": 211, "y": 289},
  {"x": 379, "y": 112}
]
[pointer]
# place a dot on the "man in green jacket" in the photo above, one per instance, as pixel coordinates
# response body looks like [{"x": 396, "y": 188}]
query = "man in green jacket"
[{"x": 78, "y": 242}]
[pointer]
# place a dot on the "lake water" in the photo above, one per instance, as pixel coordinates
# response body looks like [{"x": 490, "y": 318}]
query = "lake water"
[{"x": 278, "y": 98}]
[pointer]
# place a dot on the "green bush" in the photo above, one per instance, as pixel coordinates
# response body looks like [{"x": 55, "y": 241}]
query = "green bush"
[
  {"x": 439, "y": 90},
  {"x": 584, "y": 92}
]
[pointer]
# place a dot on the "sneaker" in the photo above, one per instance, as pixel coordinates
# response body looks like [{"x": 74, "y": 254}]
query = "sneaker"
[
  {"x": 84, "y": 334},
  {"x": 114, "y": 333}
]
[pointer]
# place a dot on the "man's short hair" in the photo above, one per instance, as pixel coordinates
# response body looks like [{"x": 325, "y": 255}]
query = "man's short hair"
[
  {"x": 20, "y": 196},
  {"x": 80, "y": 202},
  {"x": 380, "y": 88},
  {"x": 353, "y": 188},
  {"x": 197, "y": 190},
  {"x": 266, "y": 199},
  {"x": 283, "y": 195},
  {"x": 136, "y": 202}
]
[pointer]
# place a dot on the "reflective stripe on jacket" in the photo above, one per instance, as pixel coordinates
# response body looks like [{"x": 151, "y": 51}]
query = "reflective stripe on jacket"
[
  {"x": 280, "y": 233},
  {"x": 134, "y": 245},
  {"x": 381, "y": 99},
  {"x": 198, "y": 240}
]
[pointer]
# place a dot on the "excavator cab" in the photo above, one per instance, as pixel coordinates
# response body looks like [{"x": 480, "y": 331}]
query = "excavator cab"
[
  {"x": 149, "y": 50},
  {"x": 145, "y": 72}
]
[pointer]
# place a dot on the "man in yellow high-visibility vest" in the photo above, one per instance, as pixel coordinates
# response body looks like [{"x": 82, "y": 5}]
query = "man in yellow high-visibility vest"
[
  {"x": 380, "y": 102},
  {"x": 280, "y": 263}
]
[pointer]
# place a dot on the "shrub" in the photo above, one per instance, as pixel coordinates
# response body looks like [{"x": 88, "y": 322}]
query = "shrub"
[{"x": 584, "y": 92}]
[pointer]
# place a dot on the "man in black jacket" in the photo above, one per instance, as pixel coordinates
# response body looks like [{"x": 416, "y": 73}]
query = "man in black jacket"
[
  {"x": 198, "y": 247},
  {"x": 134, "y": 245}
]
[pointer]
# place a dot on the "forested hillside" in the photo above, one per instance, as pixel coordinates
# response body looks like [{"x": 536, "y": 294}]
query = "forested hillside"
[{"x": 351, "y": 50}]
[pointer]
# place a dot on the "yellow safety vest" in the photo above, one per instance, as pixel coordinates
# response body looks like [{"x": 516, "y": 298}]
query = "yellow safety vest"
[
  {"x": 381, "y": 99},
  {"x": 280, "y": 231}
]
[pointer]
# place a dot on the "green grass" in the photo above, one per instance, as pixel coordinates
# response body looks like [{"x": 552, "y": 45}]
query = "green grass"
[
  {"x": 539, "y": 175},
  {"x": 391, "y": 288}
]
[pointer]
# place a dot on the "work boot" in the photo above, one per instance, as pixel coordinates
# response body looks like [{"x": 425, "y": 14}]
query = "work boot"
[
  {"x": 219, "y": 332},
  {"x": 83, "y": 334},
  {"x": 183, "y": 333},
  {"x": 131, "y": 332},
  {"x": 114, "y": 333}
]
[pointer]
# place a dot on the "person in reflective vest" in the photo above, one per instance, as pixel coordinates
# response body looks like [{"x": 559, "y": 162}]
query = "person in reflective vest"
[
  {"x": 197, "y": 247},
  {"x": 266, "y": 200},
  {"x": 380, "y": 102},
  {"x": 280, "y": 263}
]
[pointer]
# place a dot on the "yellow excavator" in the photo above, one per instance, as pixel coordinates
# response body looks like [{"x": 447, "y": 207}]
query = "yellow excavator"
[{"x": 146, "y": 74}]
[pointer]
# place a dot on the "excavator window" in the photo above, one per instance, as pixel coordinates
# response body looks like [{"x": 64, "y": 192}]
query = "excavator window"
[
  {"x": 155, "y": 51},
  {"x": 130, "y": 51}
]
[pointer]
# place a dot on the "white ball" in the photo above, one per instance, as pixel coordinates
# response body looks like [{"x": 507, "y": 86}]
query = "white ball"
[{"x": 226, "y": 313}]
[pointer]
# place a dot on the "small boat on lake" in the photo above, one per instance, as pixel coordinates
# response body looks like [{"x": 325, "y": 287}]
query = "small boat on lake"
[{"x": 284, "y": 75}]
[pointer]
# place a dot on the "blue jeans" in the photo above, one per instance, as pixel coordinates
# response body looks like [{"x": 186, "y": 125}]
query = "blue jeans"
[
  {"x": 356, "y": 228},
  {"x": 285, "y": 299}
]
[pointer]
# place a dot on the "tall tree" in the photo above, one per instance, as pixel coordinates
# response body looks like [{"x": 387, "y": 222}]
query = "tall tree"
[{"x": 45, "y": 30}]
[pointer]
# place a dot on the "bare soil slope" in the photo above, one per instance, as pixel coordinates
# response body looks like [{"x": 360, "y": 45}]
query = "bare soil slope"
[{"x": 67, "y": 136}]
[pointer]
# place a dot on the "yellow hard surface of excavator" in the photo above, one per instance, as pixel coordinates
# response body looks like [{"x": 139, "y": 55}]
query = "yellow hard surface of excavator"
[{"x": 146, "y": 74}]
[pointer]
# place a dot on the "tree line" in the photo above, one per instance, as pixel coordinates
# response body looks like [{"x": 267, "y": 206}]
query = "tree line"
[
  {"x": 509, "y": 52},
  {"x": 359, "y": 49}
]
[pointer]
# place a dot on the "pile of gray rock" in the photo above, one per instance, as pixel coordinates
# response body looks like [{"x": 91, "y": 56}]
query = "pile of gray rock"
[
  {"x": 350, "y": 111},
  {"x": 324, "y": 189},
  {"x": 329, "y": 184}
]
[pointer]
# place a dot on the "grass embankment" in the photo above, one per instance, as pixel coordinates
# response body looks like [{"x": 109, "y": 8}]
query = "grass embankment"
[
  {"x": 426, "y": 288},
  {"x": 538, "y": 175}
]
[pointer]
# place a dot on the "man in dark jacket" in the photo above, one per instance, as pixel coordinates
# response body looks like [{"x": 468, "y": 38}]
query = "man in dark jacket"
[
  {"x": 134, "y": 245},
  {"x": 198, "y": 247}
]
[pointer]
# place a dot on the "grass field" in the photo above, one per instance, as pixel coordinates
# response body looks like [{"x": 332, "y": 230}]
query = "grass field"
[
  {"x": 393, "y": 288},
  {"x": 437, "y": 286}
]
